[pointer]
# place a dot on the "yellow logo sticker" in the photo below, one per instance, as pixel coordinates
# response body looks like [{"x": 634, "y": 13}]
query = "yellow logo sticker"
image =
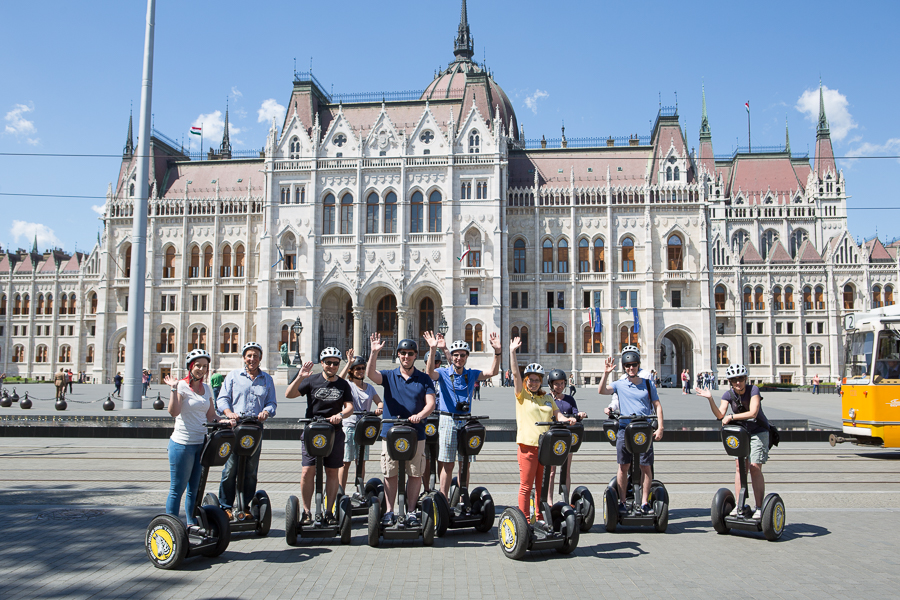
[
  {"x": 732, "y": 442},
  {"x": 319, "y": 441},
  {"x": 162, "y": 544},
  {"x": 508, "y": 533},
  {"x": 475, "y": 442},
  {"x": 225, "y": 449},
  {"x": 640, "y": 439},
  {"x": 611, "y": 435},
  {"x": 401, "y": 445},
  {"x": 779, "y": 517},
  {"x": 371, "y": 432},
  {"x": 247, "y": 442},
  {"x": 430, "y": 429},
  {"x": 574, "y": 439},
  {"x": 559, "y": 448}
]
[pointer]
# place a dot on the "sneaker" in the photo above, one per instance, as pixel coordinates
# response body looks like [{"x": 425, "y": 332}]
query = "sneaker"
[
  {"x": 229, "y": 514},
  {"x": 388, "y": 518},
  {"x": 330, "y": 519},
  {"x": 747, "y": 511},
  {"x": 623, "y": 510},
  {"x": 757, "y": 514},
  {"x": 646, "y": 509},
  {"x": 412, "y": 520},
  {"x": 305, "y": 518}
]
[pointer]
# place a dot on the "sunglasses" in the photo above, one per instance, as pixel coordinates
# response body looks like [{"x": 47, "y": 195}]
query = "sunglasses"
[
  {"x": 738, "y": 380},
  {"x": 331, "y": 363},
  {"x": 632, "y": 365},
  {"x": 402, "y": 353}
]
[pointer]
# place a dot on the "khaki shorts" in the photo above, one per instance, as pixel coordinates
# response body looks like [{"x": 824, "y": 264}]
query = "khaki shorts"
[
  {"x": 759, "y": 448},
  {"x": 414, "y": 468}
]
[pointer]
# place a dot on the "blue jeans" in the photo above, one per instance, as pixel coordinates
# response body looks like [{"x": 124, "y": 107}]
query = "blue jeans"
[
  {"x": 184, "y": 472},
  {"x": 228, "y": 486}
]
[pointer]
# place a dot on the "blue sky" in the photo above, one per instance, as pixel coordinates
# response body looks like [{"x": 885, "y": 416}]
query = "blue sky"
[{"x": 71, "y": 71}]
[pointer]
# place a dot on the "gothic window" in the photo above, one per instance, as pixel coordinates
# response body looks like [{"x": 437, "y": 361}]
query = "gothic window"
[
  {"x": 888, "y": 295},
  {"x": 788, "y": 298},
  {"x": 434, "y": 212},
  {"x": 195, "y": 263},
  {"x": 820, "y": 298},
  {"x": 416, "y": 213},
  {"x": 599, "y": 256},
  {"x": 65, "y": 353},
  {"x": 239, "y": 260},
  {"x": 777, "y": 302},
  {"x": 720, "y": 297},
  {"x": 628, "y": 255},
  {"x": 39, "y": 310},
  {"x": 390, "y": 213},
  {"x": 126, "y": 267},
  {"x": 386, "y": 317},
  {"x": 876, "y": 297},
  {"x": 40, "y": 354},
  {"x": 722, "y": 355},
  {"x": 676, "y": 174},
  {"x": 675, "y": 253},
  {"x": 798, "y": 236},
  {"x": 300, "y": 195},
  {"x": 229, "y": 340},
  {"x": 584, "y": 262},
  {"x": 166, "y": 343},
  {"x": 815, "y": 354},
  {"x": 225, "y": 265},
  {"x": 562, "y": 257},
  {"x": 474, "y": 142},
  {"x": 347, "y": 214},
  {"x": 426, "y": 137},
  {"x": 3, "y": 305},
  {"x": 807, "y": 298},
  {"x": 120, "y": 355},
  {"x": 207, "y": 261},
  {"x": 738, "y": 240},
  {"x": 784, "y": 354},
  {"x": 755, "y": 354},
  {"x": 169, "y": 263},
  {"x": 769, "y": 237},
  {"x": 547, "y": 257},
  {"x": 627, "y": 337},
  {"x": 285, "y": 195},
  {"x": 372, "y": 210},
  {"x": 71, "y": 303},
  {"x": 759, "y": 298},
  {"x": 519, "y": 256},
  {"x": 426, "y": 315},
  {"x": 556, "y": 340},
  {"x": 89, "y": 357},
  {"x": 18, "y": 354},
  {"x": 328, "y": 215},
  {"x": 26, "y": 305},
  {"x": 848, "y": 297},
  {"x": 668, "y": 173},
  {"x": 339, "y": 140}
]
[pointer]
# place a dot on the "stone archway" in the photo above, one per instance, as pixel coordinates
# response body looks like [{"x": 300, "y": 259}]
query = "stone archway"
[
  {"x": 676, "y": 349},
  {"x": 336, "y": 320}
]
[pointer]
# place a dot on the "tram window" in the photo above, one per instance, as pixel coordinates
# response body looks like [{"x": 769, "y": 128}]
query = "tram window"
[
  {"x": 859, "y": 354},
  {"x": 887, "y": 365}
]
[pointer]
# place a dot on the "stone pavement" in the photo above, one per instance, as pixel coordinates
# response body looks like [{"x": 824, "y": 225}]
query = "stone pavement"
[{"x": 75, "y": 511}]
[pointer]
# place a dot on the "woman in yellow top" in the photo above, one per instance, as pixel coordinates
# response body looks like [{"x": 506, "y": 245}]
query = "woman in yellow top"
[{"x": 532, "y": 405}]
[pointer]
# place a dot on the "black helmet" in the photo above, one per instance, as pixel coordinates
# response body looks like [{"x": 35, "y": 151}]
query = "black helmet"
[
  {"x": 408, "y": 344},
  {"x": 438, "y": 358},
  {"x": 630, "y": 354},
  {"x": 358, "y": 361},
  {"x": 556, "y": 375}
]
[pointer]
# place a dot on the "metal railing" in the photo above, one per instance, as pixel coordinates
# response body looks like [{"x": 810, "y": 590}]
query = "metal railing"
[{"x": 587, "y": 142}]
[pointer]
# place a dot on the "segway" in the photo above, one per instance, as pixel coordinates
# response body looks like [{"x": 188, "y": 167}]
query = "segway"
[
  {"x": 582, "y": 500},
  {"x": 562, "y": 531},
  {"x": 465, "y": 510},
  {"x": 318, "y": 437},
  {"x": 401, "y": 445},
  {"x": 736, "y": 440},
  {"x": 441, "y": 505},
  {"x": 638, "y": 436},
  {"x": 168, "y": 541},
  {"x": 367, "y": 429},
  {"x": 248, "y": 433}
]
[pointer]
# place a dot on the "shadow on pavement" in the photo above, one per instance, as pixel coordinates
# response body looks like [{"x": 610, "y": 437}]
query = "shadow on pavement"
[
  {"x": 795, "y": 531},
  {"x": 613, "y": 550},
  {"x": 881, "y": 455}
]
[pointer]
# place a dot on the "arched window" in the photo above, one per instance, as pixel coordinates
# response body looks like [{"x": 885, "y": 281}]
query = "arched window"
[
  {"x": 166, "y": 343},
  {"x": 198, "y": 338},
  {"x": 474, "y": 142},
  {"x": 71, "y": 303},
  {"x": 798, "y": 236},
  {"x": 784, "y": 355},
  {"x": 562, "y": 261},
  {"x": 720, "y": 297},
  {"x": 807, "y": 298},
  {"x": 372, "y": 213},
  {"x": 225, "y": 265},
  {"x": 777, "y": 302},
  {"x": 26, "y": 305},
  {"x": 288, "y": 337},
  {"x": 599, "y": 256},
  {"x": 434, "y": 212},
  {"x": 39, "y": 309},
  {"x": 769, "y": 237},
  {"x": 40, "y": 354},
  {"x": 65, "y": 353},
  {"x": 722, "y": 355},
  {"x": 89, "y": 356},
  {"x": 876, "y": 297},
  {"x": 229, "y": 340},
  {"x": 755, "y": 354},
  {"x": 131, "y": 190},
  {"x": 239, "y": 258},
  {"x": 285, "y": 195},
  {"x": 788, "y": 298},
  {"x": 547, "y": 257},
  {"x": 820, "y": 298},
  {"x": 386, "y": 322},
  {"x": 426, "y": 315},
  {"x": 676, "y": 174},
  {"x": 63, "y": 298},
  {"x": 674, "y": 251},
  {"x": 523, "y": 335},
  {"x": 519, "y": 256},
  {"x": 888, "y": 296},
  {"x": 300, "y": 195},
  {"x": 49, "y": 309},
  {"x": 848, "y": 297},
  {"x": 416, "y": 213},
  {"x": 347, "y": 214},
  {"x": 126, "y": 261},
  {"x": 628, "y": 255},
  {"x": 328, "y": 215},
  {"x": 759, "y": 300},
  {"x": 815, "y": 354},
  {"x": 17, "y": 305},
  {"x": 390, "y": 213},
  {"x": 627, "y": 337},
  {"x": 2, "y": 304},
  {"x": 584, "y": 259},
  {"x": 169, "y": 263},
  {"x": 479, "y": 338},
  {"x": 668, "y": 173},
  {"x": 738, "y": 240},
  {"x": 18, "y": 354},
  {"x": 556, "y": 340},
  {"x": 207, "y": 261},
  {"x": 593, "y": 341},
  {"x": 470, "y": 335},
  {"x": 120, "y": 354},
  {"x": 195, "y": 263}
]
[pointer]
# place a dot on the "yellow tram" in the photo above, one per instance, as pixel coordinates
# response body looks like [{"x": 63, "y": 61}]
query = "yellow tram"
[{"x": 870, "y": 391}]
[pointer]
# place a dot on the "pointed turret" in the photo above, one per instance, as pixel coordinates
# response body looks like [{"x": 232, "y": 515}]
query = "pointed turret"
[
  {"x": 225, "y": 147},
  {"x": 464, "y": 47},
  {"x": 707, "y": 159},
  {"x": 823, "y": 121},
  {"x": 129, "y": 141},
  {"x": 824, "y": 150},
  {"x": 787, "y": 136},
  {"x": 34, "y": 247}
]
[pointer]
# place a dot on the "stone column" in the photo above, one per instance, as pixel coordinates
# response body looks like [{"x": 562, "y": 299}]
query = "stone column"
[{"x": 358, "y": 340}]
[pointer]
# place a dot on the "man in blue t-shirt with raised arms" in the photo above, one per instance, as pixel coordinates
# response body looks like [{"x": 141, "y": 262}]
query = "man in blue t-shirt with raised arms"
[
  {"x": 637, "y": 396},
  {"x": 408, "y": 394},
  {"x": 457, "y": 385}
]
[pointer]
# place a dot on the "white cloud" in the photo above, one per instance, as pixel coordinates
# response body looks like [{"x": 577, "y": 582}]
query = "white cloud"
[
  {"x": 840, "y": 120},
  {"x": 98, "y": 208},
  {"x": 19, "y": 126},
  {"x": 532, "y": 100},
  {"x": 889, "y": 148},
  {"x": 236, "y": 93},
  {"x": 270, "y": 109},
  {"x": 24, "y": 230},
  {"x": 213, "y": 125}
]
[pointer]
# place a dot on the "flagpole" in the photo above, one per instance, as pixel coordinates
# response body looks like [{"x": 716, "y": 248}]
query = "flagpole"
[{"x": 749, "y": 145}]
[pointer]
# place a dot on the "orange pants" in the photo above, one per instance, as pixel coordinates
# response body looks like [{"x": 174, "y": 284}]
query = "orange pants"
[{"x": 530, "y": 474}]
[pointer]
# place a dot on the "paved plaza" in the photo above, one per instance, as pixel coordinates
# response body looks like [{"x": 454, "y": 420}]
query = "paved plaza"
[{"x": 75, "y": 511}]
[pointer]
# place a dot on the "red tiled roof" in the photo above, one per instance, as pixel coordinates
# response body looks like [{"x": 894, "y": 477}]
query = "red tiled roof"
[
  {"x": 26, "y": 266},
  {"x": 808, "y": 253},
  {"x": 202, "y": 173},
  {"x": 752, "y": 175},
  {"x": 779, "y": 255},
  {"x": 749, "y": 255},
  {"x": 877, "y": 251},
  {"x": 548, "y": 162},
  {"x": 48, "y": 265}
]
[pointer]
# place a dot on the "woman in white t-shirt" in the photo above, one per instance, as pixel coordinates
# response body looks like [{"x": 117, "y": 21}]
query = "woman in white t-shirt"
[
  {"x": 364, "y": 395},
  {"x": 191, "y": 403}
]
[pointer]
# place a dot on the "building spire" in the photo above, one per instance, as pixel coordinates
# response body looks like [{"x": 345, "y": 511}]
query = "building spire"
[
  {"x": 225, "y": 148},
  {"x": 34, "y": 248},
  {"x": 129, "y": 141},
  {"x": 705, "y": 133},
  {"x": 464, "y": 47},
  {"x": 823, "y": 120},
  {"x": 787, "y": 136}
]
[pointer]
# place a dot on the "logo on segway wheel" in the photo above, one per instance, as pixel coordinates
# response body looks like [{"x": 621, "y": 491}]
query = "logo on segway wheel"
[
  {"x": 732, "y": 442},
  {"x": 611, "y": 435},
  {"x": 778, "y": 521},
  {"x": 225, "y": 449},
  {"x": 574, "y": 439},
  {"x": 371, "y": 432},
  {"x": 161, "y": 543},
  {"x": 559, "y": 448},
  {"x": 475, "y": 442},
  {"x": 640, "y": 439},
  {"x": 508, "y": 533},
  {"x": 430, "y": 429},
  {"x": 401, "y": 445},
  {"x": 247, "y": 442},
  {"x": 319, "y": 441}
]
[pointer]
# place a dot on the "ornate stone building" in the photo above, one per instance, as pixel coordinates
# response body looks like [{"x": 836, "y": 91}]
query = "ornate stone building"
[{"x": 393, "y": 213}]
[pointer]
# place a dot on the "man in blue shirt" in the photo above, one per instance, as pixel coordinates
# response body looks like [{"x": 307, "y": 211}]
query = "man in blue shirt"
[
  {"x": 637, "y": 396},
  {"x": 408, "y": 394},
  {"x": 457, "y": 385},
  {"x": 247, "y": 391}
]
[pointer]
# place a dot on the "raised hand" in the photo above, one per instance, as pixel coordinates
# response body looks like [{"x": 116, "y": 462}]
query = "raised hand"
[
  {"x": 350, "y": 355},
  {"x": 375, "y": 341},
  {"x": 610, "y": 365},
  {"x": 495, "y": 343},
  {"x": 306, "y": 369},
  {"x": 441, "y": 342},
  {"x": 515, "y": 344},
  {"x": 430, "y": 339},
  {"x": 704, "y": 393},
  {"x": 170, "y": 381}
]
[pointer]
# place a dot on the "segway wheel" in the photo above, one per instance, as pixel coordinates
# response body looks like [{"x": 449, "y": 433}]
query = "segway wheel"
[
  {"x": 773, "y": 517},
  {"x": 483, "y": 503},
  {"x": 583, "y": 502},
  {"x": 210, "y": 498},
  {"x": 339, "y": 495},
  {"x": 346, "y": 513},
  {"x": 218, "y": 523},
  {"x": 514, "y": 533},
  {"x": 723, "y": 503},
  {"x": 661, "y": 515},
  {"x": 261, "y": 509},
  {"x": 166, "y": 542},
  {"x": 454, "y": 492},
  {"x": 292, "y": 520},
  {"x": 374, "y": 523},
  {"x": 441, "y": 512},
  {"x": 428, "y": 520},
  {"x": 610, "y": 509},
  {"x": 569, "y": 527}
]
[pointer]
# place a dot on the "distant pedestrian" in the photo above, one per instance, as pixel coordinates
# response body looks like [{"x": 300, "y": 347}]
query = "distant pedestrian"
[
  {"x": 69, "y": 379},
  {"x": 477, "y": 392},
  {"x": 815, "y": 383},
  {"x": 216, "y": 383},
  {"x": 572, "y": 388},
  {"x": 60, "y": 382},
  {"x": 118, "y": 381},
  {"x": 145, "y": 382}
]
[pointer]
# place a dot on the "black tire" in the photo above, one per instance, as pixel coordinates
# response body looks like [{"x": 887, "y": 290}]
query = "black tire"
[
  {"x": 370, "y": 490},
  {"x": 572, "y": 531},
  {"x": 263, "y": 513},
  {"x": 454, "y": 493},
  {"x": 428, "y": 518},
  {"x": 723, "y": 503},
  {"x": 219, "y": 528},
  {"x": 661, "y": 516},
  {"x": 292, "y": 520},
  {"x": 441, "y": 512},
  {"x": 210, "y": 498},
  {"x": 339, "y": 495},
  {"x": 382, "y": 501},
  {"x": 514, "y": 533},
  {"x": 610, "y": 509},
  {"x": 483, "y": 503},
  {"x": 773, "y": 517},
  {"x": 166, "y": 542},
  {"x": 374, "y": 532},
  {"x": 583, "y": 502},
  {"x": 346, "y": 516}
]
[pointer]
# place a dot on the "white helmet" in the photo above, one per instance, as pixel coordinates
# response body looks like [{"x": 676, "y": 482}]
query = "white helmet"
[
  {"x": 330, "y": 352},
  {"x": 251, "y": 345},
  {"x": 194, "y": 355},
  {"x": 459, "y": 345},
  {"x": 630, "y": 348},
  {"x": 534, "y": 368},
  {"x": 735, "y": 370}
]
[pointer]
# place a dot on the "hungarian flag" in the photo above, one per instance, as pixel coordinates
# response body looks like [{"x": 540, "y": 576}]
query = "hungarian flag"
[
  {"x": 196, "y": 130},
  {"x": 597, "y": 323},
  {"x": 747, "y": 104},
  {"x": 468, "y": 249},
  {"x": 591, "y": 318}
]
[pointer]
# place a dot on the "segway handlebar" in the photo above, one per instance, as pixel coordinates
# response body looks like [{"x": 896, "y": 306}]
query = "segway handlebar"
[
  {"x": 551, "y": 423},
  {"x": 651, "y": 418},
  {"x": 572, "y": 416}
]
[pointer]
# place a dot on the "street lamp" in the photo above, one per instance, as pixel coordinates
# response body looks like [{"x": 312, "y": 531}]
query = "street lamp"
[
  {"x": 443, "y": 327},
  {"x": 297, "y": 328}
]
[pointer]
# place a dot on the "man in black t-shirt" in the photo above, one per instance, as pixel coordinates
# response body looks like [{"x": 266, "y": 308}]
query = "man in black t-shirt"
[{"x": 328, "y": 396}]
